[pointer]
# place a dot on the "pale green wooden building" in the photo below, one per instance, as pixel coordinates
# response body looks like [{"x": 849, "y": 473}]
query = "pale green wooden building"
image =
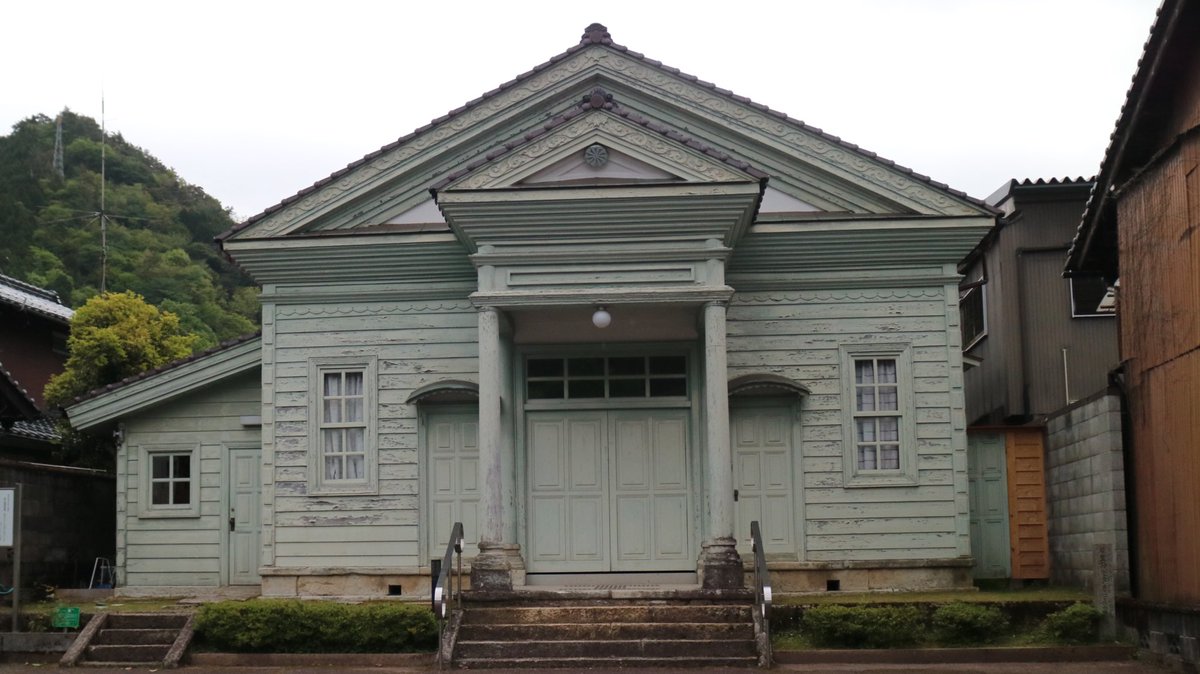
[{"x": 783, "y": 346}]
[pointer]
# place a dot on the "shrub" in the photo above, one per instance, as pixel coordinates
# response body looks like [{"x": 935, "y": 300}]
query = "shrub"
[
  {"x": 1076, "y": 624},
  {"x": 862, "y": 626},
  {"x": 289, "y": 626},
  {"x": 963, "y": 623}
]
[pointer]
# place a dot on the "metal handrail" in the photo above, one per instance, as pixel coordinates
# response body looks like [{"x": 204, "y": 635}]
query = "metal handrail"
[
  {"x": 762, "y": 596},
  {"x": 447, "y": 589}
]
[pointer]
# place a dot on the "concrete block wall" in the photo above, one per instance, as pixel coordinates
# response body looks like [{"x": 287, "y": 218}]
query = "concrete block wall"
[{"x": 1085, "y": 484}]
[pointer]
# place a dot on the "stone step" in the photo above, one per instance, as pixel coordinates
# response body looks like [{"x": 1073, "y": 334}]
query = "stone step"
[
  {"x": 127, "y": 653},
  {"x": 646, "y": 613},
  {"x": 146, "y": 620},
  {"x": 603, "y": 649},
  {"x": 136, "y": 637},
  {"x": 584, "y": 631},
  {"x": 582, "y": 663}
]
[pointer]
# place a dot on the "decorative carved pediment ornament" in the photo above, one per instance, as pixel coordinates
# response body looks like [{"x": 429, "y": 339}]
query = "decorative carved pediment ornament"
[{"x": 597, "y": 127}]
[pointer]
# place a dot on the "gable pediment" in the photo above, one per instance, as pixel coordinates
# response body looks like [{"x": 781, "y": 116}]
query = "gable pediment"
[
  {"x": 585, "y": 148},
  {"x": 809, "y": 170}
]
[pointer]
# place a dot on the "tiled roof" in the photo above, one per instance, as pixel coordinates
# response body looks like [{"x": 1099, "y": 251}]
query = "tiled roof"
[
  {"x": 601, "y": 100},
  {"x": 1153, "y": 50},
  {"x": 41, "y": 428},
  {"x": 1029, "y": 182},
  {"x": 597, "y": 34},
  {"x": 28, "y": 297},
  {"x": 16, "y": 385},
  {"x": 227, "y": 344}
]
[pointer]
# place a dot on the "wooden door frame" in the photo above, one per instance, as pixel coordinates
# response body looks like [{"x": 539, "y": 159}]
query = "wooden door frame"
[
  {"x": 794, "y": 407},
  {"x": 694, "y": 405},
  {"x": 224, "y": 547}
]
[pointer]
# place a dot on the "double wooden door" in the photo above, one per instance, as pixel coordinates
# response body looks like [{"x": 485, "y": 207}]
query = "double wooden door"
[{"x": 609, "y": 491}]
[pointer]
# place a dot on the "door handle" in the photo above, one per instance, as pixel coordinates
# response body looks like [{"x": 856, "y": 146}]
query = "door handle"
[
  {"x": 232, "y": 523},
  {"x": 735, "y": 495}
]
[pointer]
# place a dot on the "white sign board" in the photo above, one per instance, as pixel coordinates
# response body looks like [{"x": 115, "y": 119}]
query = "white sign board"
[{"x": 7, "y": 501}]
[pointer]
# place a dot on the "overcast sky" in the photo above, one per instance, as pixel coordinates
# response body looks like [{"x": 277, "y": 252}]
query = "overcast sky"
[{"x": 254, "y": 101}]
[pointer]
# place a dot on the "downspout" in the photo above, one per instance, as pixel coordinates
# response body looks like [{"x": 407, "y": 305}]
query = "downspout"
[{"x": 1116, "y": 379}]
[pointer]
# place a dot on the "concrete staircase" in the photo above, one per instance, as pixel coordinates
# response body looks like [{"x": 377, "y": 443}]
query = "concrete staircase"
[
  {"x": 576, "y": 632},
  {"x": 131, "y": 640}
]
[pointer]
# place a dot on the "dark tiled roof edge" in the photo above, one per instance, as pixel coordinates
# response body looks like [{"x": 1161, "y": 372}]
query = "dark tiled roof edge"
[
  {"x": 227, "y": 344},
  {"x": 1066, "y": 180},
  {"x": 593, "y": 35},
  {"x": 43, "y": 293},
  {"x": 17, "y": 385},
  {"x": 1151, "y": 50}
]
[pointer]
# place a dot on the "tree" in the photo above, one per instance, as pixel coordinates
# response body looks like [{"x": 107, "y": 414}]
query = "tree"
[{"x": 114, "y": 336}]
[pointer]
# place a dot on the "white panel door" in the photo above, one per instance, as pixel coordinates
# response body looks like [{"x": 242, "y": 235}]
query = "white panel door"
[
  {"x": 567, "y": 501},
  {"x": 452, "y": 439},
  {"x": 245, "y": 513},
  {"x": 608, "y": 491},
  {"x": 652, "y": 527},
  {"x": 762, "y": 466}
]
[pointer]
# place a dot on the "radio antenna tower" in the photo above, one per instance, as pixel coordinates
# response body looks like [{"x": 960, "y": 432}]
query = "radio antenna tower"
[
  {"x": 59, "y": 168},
  {"x": 102, "y": 216}
]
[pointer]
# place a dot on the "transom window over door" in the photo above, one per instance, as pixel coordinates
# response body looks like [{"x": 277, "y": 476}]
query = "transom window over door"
[{"x": 606, "y": 377}]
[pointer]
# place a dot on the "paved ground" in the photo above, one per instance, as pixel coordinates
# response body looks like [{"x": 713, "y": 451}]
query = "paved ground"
[{"x": 982, "y": 668}]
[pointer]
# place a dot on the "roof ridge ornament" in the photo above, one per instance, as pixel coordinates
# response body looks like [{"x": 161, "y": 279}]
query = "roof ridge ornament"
[
  {"x": 596, "y": 34},
  {"x": 599, "y": 99}
]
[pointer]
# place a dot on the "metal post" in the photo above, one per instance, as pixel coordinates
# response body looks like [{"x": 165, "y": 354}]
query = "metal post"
[{"x": 16, "y": 593}]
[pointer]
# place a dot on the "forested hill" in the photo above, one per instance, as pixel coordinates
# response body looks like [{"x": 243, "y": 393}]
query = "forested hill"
[{"x": 159, "y": 236}]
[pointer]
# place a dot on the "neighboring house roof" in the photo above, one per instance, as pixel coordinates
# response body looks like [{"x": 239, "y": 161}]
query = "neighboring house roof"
[
  {"x": 1006, "y": 192},
  {"x": 28, "y": 297},
  {"x": 597, "y": 34},
  {"x": 16, "y": 403},
  {"x": 167, "y": 382},
  {"x": 1096, "y": 236},
  {"x": 42, "y": 429}
]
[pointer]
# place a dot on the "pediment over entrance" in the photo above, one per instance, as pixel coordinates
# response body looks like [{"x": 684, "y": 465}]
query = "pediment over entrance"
[
  {"x": 596, "y": 147},
  {"x": 766, "y": 384},
  {"x": 597, "y": 163}
]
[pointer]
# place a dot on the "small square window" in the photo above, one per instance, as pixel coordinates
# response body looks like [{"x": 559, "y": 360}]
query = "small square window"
[{"x": 168, "y": 487}]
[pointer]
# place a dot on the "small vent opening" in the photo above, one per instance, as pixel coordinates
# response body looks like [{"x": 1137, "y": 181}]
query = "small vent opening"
[{"x": 833, "y": 585}]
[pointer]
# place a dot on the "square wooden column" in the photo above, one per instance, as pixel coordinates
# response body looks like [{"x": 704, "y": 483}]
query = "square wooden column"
[{"x": 720, "y": 564}]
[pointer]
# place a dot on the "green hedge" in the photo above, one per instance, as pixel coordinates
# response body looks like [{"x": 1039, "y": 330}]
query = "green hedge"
[
  {"x": 960, "y": 623},
  {"x": 837, "y": 626},
  {"x": 289, "y": 626},
  {"x": 1076, "y": 624}
]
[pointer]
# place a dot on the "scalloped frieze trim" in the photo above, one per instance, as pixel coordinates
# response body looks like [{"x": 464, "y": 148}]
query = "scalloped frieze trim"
[
  {"x": 373, "y": 308},
  {"x": 500, "y": 172},
  {"x": 836, "y": 295}
]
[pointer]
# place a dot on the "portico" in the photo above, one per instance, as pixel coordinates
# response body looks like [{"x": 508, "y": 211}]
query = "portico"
[{"x": 637, "y": 250}]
